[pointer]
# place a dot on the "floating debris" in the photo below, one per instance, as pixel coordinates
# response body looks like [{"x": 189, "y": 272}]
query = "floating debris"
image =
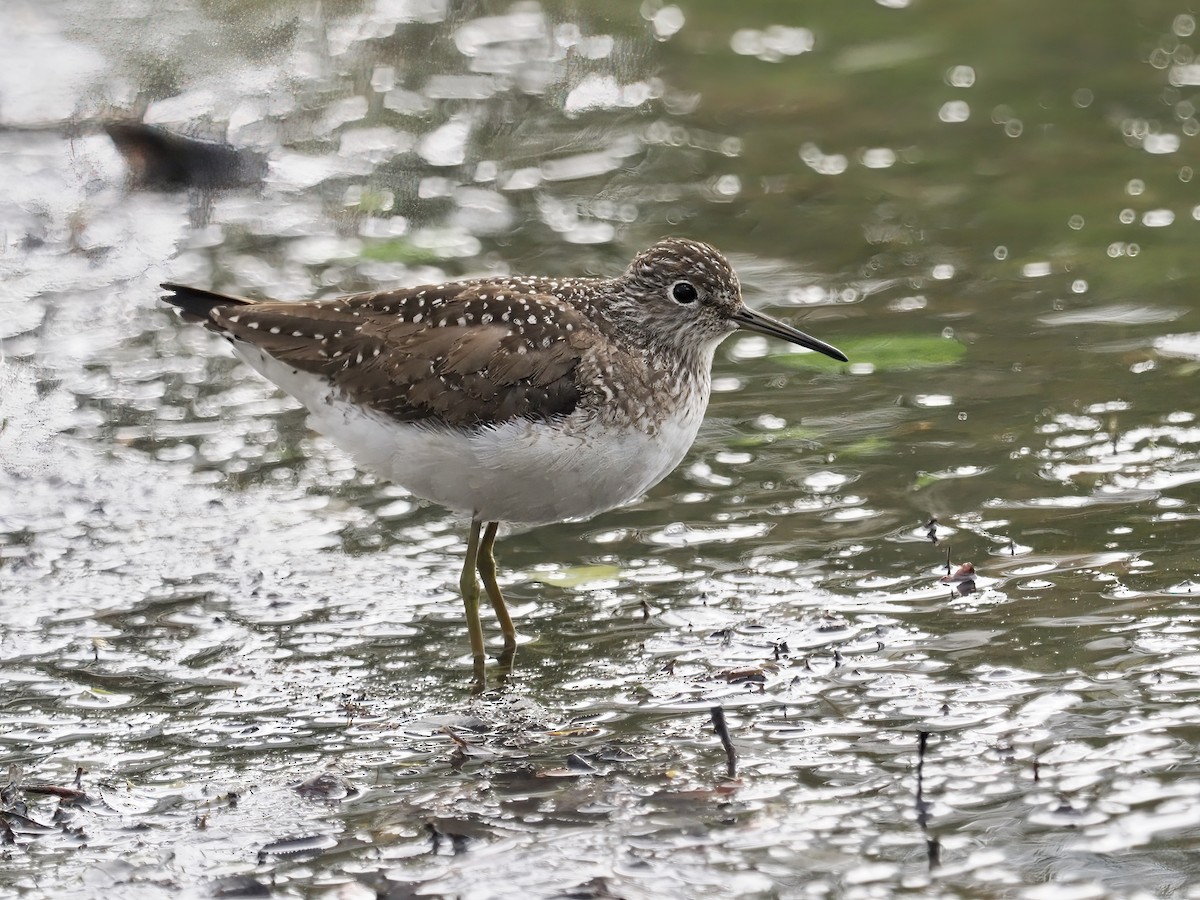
[
  {"x": 326, "y": 786},
  {"x": 964, "y": 573}
]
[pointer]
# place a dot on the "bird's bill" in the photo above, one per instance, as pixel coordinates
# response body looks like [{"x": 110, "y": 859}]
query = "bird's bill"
[{"x": 760, "y": 323}]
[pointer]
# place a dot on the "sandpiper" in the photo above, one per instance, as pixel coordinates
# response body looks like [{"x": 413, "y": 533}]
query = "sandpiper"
[{"x": 508, "y": 399}]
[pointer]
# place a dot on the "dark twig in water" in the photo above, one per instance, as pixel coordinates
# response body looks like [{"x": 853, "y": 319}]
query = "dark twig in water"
[
  {"x": 722, "y": 730},
  {"x": 461, "y": 750},
  {"x": 933, "y": 846},
  {"x": 922, "y": 806}
]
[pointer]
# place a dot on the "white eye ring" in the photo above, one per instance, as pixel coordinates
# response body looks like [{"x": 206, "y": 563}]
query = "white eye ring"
[{"x": 684, "y": 292}]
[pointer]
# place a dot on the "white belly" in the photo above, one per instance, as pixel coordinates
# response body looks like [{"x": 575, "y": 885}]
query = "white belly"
[{"x": 520, "y": 471}]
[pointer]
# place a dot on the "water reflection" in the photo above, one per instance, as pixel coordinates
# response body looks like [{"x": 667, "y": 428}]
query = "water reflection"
[{"x": 251, "y": 651}]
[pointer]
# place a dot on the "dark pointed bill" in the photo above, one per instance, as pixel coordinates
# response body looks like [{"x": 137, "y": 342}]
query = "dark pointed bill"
[{"x": 761, "y": 323}]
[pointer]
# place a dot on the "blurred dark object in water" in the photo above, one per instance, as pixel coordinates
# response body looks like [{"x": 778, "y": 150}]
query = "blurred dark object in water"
[{"x": 161, "y": 161}]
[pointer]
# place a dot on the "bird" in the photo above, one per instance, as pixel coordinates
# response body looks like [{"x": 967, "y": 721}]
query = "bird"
[{"x": 507, "y": 399}]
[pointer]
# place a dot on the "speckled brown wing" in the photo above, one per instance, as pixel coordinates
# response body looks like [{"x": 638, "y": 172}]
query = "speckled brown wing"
[{"x": 457, "y": 355}]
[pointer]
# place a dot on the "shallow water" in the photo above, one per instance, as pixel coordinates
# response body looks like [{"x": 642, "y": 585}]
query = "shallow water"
[{"x": 256, "y": 654}]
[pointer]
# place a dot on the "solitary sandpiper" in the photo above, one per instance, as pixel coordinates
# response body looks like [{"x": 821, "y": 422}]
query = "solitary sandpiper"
[{"x": 508, "y": 399}]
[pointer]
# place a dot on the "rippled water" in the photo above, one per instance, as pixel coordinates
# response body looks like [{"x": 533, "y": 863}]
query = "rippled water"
[{"x": 234, "y": 666}]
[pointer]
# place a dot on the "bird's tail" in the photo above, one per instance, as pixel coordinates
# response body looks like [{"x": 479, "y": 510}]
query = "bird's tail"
[{"x": 195, "y": 304}]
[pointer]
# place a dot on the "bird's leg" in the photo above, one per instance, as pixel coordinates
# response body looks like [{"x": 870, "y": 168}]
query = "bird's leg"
[
  {"x": 487, "y": 571},
  {"x": 470, "y": 594}
]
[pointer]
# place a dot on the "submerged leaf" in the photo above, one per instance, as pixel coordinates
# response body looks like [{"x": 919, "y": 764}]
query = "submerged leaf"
[
  {"x": 577, "y": 576},
  {"x": 886, "y": 353},
  {"x": 796, "y": 434},
  {"x": 399, "y": 250},
  {"x": 868, "y": 446}
]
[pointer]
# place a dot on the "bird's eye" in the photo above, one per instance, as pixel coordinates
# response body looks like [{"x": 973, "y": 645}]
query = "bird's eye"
[{"x": 684, "y": 292}]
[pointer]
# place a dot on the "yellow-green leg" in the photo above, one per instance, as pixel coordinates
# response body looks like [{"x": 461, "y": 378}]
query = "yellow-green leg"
[
  {"x": 487, "y": 571},
  {"x": 470, "y": 594}
]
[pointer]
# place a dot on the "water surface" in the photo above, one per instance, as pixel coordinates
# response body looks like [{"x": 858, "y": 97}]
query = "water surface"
[{"x": 256, "y": 654}]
